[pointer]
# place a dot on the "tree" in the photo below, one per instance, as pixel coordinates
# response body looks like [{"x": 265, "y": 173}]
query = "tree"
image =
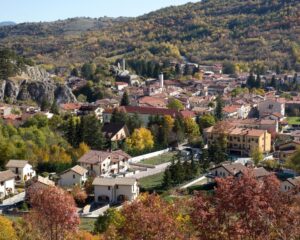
[
  {"x": 54, "y": 108},
  {"x": 251, "y": 82},
  {"x": 206, "y": 121},
  {"x": 110, "y": 217},
  {"x": 53, "y": 213},
  {"x": 140, "y": 140},
  {"x": 118, "y": 116},
  {"x": 7, "y": 232},
  {"x": 175, "y": 104},
  {"x": 133, "y": 122},
  {"x": 88, "y": 71},
  {"x": 246, "y": 208},
  {"x": 229, "y": 68},
  {"x": 294, "y": 161},
  {"x": 79, "y": 195},
  {"x": 45, "y": 104},
  {"x": 151, "y": 218},
  {"x": 257, "y": 156},
  {"x": 74, "y": 72},
  {"x": 191, "y": 128},
  {"x": 219, "y": 108},
  {"x": 125, "y": 99}
]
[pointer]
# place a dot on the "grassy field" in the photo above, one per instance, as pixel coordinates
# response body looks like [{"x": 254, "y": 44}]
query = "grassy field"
[
  {"x": 166, "y": 157},
  {"x": 86, "y": 224},
  {"x": 293, "y": 120},
  {"x": 152, "y": 182}
]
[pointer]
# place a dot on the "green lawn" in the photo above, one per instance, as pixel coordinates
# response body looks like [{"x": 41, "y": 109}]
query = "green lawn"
[
  {"x": 293, "y": 120},
  {"x": 152, "y": 182},
  {"x": 166, "y": 157},
  {"x": 87, "y": 224}
]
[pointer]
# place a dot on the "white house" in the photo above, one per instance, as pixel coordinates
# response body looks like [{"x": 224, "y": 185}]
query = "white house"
[
  {"x": 115, "y": 190},
  {"x": 289, "y": 184},
  {"x": 22, "y": 169},
  {"x": 76, "y": 175},
  {"x": 7, "y": 183},
  {"x": 101, "y": 163}
]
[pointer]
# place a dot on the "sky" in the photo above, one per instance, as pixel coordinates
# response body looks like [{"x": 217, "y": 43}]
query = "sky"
[{"x": 50, "y": 10}]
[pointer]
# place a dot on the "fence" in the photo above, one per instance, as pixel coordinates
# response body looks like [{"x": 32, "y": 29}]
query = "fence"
[{"x": 148, "y": 155}]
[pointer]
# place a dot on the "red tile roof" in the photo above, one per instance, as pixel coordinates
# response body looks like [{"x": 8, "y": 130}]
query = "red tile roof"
[
  {"x": 70, "y": 106},
  {"x": 145, "y": 110}
]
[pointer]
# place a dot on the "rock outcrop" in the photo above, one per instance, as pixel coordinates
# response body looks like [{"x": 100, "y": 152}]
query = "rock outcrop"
[{"x": 35, "y": 84}]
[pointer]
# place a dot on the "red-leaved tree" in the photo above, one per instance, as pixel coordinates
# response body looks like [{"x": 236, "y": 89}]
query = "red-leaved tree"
[
  {"x": 151, "y": 218},
  {"x": 246, "y": 208},
  {"x": 53, "y": 212}
]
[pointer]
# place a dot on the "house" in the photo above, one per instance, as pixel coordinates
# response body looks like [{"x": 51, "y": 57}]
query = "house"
[
  {"x": 235, "y": 170},
  {"x": 101, "y": 163},
  {"x": 75, "y": 176},
  {"x": 286, "y": 150},
  {"x": 290, "y": 184},
  {"x": 90, "y": 109},
  {"x": 115, "y": 131},
  {"x": 271, "y": 106},
  {"x": 39, "y": 181},
  {"x": 22, "y": 169},
  {"x": 241, "y": 141},
  {"x": 144, "y": 113},
  {"x": 71, "y": 108},
  {"x": 227, "y": 169},
  {"x": 115, "y": 190},
  {"x": 5, "y": 111},
  {"x": 7, "y": 183},
  {"x": 157, "y": 102},
  {"x": 121, "y": 85}
]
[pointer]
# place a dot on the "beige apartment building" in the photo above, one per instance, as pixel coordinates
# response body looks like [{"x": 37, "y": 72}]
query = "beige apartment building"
[{"x": 241, "y": 141}]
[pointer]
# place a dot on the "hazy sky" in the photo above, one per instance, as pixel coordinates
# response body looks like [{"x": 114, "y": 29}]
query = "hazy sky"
[{"x": 50, "y": 10}]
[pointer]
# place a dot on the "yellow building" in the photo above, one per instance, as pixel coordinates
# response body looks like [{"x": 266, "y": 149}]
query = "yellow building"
[{"x": 241, "y": 141}]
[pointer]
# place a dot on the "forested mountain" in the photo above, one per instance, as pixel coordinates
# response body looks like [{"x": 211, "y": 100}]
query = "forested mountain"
[{"x": 206, "y": 31}]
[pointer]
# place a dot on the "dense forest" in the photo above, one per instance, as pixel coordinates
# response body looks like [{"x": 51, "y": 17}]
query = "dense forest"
[{"x": 252, "y": 31}]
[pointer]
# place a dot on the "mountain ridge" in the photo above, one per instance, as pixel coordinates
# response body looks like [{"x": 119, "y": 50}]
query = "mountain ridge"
[{"x": 267, "y": 31}]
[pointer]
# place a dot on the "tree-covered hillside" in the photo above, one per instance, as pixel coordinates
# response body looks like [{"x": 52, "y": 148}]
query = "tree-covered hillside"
[{"x": 207, "y": 31}]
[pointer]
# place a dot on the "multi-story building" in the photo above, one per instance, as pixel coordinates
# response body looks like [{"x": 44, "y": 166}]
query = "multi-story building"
[
  {"x": 101, "y": 163},
  {"x": 115, "y": 190},
  {"x": 241, "y": 141}
]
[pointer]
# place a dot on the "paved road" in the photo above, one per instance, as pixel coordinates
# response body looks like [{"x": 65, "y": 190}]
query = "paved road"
[
  {"x": 193, "y": 182},
  {"x": 152, "y": 171}
]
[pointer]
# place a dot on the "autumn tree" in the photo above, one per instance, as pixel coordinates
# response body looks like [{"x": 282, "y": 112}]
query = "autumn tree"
[
  {"x": 7, "y": 231},
  {"x": 151, "y": 218},
  {"x": 140, "y": 140},
  {"x": 246, "y": 208},
  {"x": 175, "y": 104},
  {"x": 191, "y": 128},
  {"x": 53, "y": 213}
]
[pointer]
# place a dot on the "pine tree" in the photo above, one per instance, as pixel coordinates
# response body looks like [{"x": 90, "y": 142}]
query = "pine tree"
[
  {"x": 251, "y": 81},
  {"x": 125, "y": 99},
  {"x": 167, "y": 181}
]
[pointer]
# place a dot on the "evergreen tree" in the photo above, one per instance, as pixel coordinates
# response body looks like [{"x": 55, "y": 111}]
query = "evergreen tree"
[
  {"x": 273, "y": 82},
  {"x": 219, "y": 108},
  {"x": 251, "y": 83},
  {"x": 45, "y": 105},
  {"x": 167, "y": 180},
  {"x": 54, "y": 108},
  {"x": 74, "y": 72},
  {"x": 125, "y": 99},
  {"x": 118, "y": 116},
  {"x": 258, "y": 81}
]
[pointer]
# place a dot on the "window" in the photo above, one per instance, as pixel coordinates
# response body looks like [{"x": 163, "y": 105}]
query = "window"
[
  {"x": 108, "y": 187},
  {"x": 74, "y": 176},
  {"x": 117, "y": 186}
]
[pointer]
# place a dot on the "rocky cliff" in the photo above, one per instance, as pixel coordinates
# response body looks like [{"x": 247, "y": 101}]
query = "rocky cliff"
[{"x": 34, "y": 84}]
